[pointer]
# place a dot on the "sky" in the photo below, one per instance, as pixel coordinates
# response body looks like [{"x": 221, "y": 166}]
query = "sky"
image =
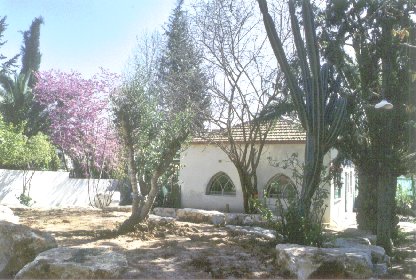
[{"x": 84, "y": 35}]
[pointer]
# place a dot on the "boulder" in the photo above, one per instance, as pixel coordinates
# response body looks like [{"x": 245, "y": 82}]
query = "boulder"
[
  {"x": 6, "y": 214},
  {"x": 20, "y": 245},
  {"x": 306, "y": 262},
  {"x": 377, "y": 253},
  {"x": 253, "y": 219},
  {"x": 165, "y": 212},
  {"x": 255, "y": 231},
  {"x": 246, "y": 219},
  {"x": 75, "y": 263},
  {"x": 200, "y": 216},
  {"x": 161, "y": 220}
]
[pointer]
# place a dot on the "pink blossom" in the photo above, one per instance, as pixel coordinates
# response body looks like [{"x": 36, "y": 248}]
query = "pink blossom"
[{"x": 79, "y": 115}]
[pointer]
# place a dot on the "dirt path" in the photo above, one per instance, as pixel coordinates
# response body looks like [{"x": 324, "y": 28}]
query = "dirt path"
[
  {"x": 180, "y": 250},
  {"x": 160, "y": 250}
]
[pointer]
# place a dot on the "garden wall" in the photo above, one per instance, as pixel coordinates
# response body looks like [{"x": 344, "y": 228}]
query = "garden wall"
[{"x": 50, "y": 188}]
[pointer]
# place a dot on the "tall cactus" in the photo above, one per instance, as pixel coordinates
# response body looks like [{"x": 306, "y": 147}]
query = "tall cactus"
[{"x": 321, "y": 109}]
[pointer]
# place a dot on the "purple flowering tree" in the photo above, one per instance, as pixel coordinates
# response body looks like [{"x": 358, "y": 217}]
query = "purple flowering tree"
[{"x": 80, "y": 124}]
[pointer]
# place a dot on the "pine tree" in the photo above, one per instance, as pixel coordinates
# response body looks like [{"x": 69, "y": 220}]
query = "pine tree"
[
  {"x": 181, "y": 79},
  {"x": 6, "y": 65},
  {"x": 30, "y": 52}
]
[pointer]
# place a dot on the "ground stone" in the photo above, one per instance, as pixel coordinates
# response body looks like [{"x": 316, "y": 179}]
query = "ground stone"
[
  {"x": 306, "y": 262},
  {"x": 20, "y": 245},
  {"x": 200, "y": 216},
  {"x": 256, "y": 231},
  {"x": 164, "y": 212},
  {"x": 378, "y": 254},
  {"x": 6, "y": 214},
  {"x": 75, "y": 263}
]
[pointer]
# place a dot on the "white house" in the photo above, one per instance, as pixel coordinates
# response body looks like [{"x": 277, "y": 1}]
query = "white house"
[{"x": 210, "y": 181}]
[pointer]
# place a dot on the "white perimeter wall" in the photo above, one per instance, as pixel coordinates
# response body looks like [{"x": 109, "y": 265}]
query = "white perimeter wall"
[{"x": 49, "y": 188}]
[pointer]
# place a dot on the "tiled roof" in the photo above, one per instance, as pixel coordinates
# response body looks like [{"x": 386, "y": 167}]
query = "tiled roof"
[{"x": 283, "y": 131}]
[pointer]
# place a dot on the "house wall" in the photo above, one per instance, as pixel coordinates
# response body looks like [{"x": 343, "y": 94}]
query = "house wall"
[
  {"x": 199, "y": 163},
  {"x": 342, "y": 207},
  {"x": 50, "y": 188}
]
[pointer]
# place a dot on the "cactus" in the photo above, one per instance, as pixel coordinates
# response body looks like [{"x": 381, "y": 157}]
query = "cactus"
[{"x": 320, "y": 107}]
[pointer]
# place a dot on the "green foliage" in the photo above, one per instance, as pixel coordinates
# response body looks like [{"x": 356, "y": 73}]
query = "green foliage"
[
  {"x": 6, "y": 65},
  {"x": 30, "y": 50},
  {"x": 405, "y": 201},
  {"x": 16, "y": 99},
  {"x": 25, "y": 199},
  {"x": 291, "y": 222},
  {"x": 19, "y": 151}
]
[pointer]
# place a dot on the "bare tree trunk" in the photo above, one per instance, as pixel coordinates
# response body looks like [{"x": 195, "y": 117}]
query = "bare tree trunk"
[
  {"x": 386, "y": 193},
  {"x": 147, "y": 206},
  {"x": 133, "y": 179},
  {"x": 143, "y": 206},
  {"x": 367, "y": 200},
  {"x": 248, "y": 187}
]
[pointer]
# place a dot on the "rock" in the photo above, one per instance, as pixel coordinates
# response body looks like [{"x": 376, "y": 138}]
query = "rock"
[
  {"x": 377, "y": 253},
  {"x": 75, "y": 263},
  {"x": 310, "y": 262},
  {"x": 200, "y": 216},
  {"x": 380, "y": 269},
  {"x": 246, "y": 219},
  {"x": 256, "y": 231},
  {"x": 6, "y": 214},
  {"x": 165, "y": 212},
  {"x": 20, "y": 245},
  {"x": 159, "y": 219},
  {"x": 234, "y": 218}
]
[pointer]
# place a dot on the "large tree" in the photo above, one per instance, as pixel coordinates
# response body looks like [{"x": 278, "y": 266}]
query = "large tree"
[
  {"x": 244, "y": 81},
  {"x": 158, "y": 107},
  {"x": 315, "y": 95},
  {"x": 364, "y": 39}
]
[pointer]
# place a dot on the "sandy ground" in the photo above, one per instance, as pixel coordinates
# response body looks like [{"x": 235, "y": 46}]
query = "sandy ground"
[
  {"x": 185, "y": 250},
  {"x": 160, "y": 250}
]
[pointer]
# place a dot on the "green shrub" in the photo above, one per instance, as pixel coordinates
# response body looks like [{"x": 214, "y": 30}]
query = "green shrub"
[{"x": 290, "y": 223}]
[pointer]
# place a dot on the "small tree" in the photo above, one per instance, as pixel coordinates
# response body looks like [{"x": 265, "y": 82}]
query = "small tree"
[{"x": 157, "y": 109}]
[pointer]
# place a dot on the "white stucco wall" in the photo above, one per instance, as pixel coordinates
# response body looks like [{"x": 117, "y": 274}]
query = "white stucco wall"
[
  {"x": 200, "y": 162},
  {"x": 49, "y": 188},
  {"x": 342, "y": 208}
]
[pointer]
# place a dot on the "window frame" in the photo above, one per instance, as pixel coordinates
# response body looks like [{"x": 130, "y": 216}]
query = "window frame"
[
  {"x": 280, "y": 195},
  {"x": 214, "y": 179}
]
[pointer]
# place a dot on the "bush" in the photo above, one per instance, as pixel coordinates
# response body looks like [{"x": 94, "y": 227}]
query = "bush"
[{"x": 404, "y": 202}]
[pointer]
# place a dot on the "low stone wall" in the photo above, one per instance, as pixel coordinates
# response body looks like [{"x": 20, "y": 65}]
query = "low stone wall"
[
  {"x": 210, "y": 217},
  {"x": 50, "y": 188}
]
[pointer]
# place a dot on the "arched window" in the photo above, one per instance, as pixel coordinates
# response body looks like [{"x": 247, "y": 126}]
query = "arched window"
[
  {"x": 280, "y": 186},
  {"x": 221, "y": 184}
]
